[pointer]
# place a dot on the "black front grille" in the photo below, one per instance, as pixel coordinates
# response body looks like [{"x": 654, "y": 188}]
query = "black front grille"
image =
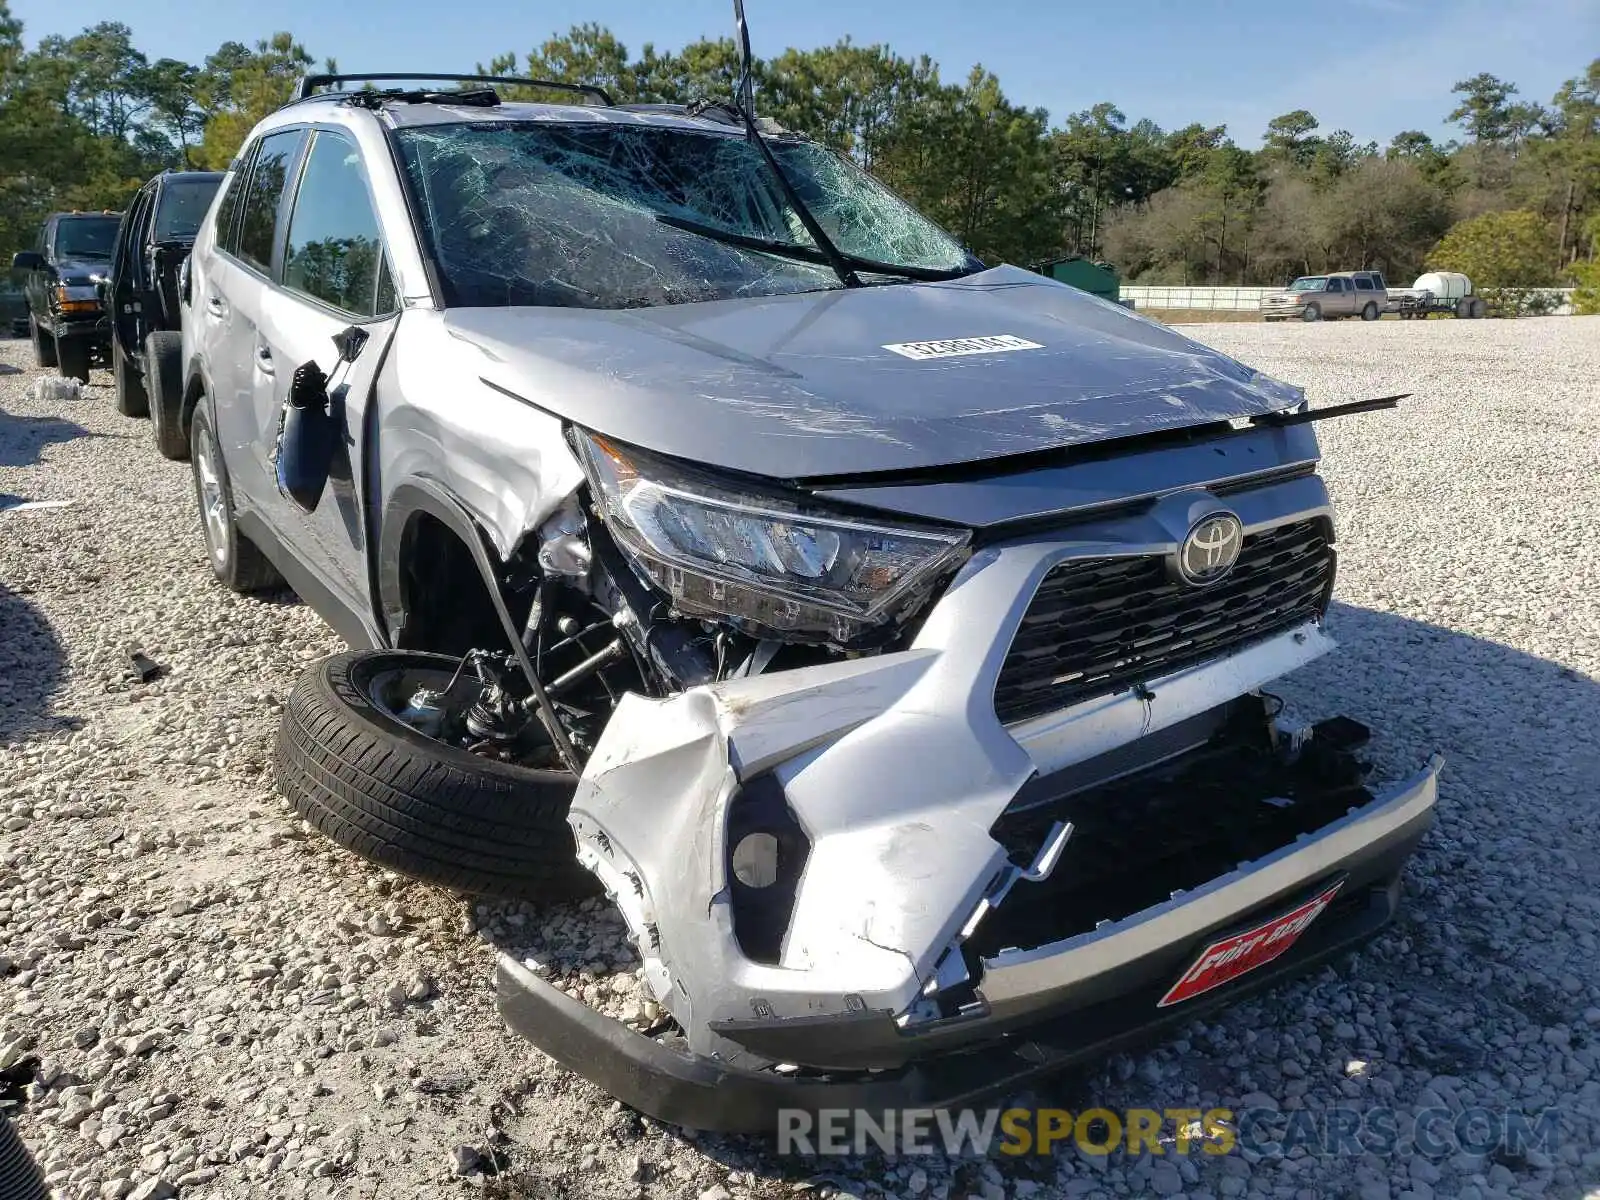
[
  {"x": 1138, "y": 840},
  {"x": 1099, "y": 625}
]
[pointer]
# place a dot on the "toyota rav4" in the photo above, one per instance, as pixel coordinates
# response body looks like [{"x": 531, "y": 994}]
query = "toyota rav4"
[{"x": 884, "y": 633}]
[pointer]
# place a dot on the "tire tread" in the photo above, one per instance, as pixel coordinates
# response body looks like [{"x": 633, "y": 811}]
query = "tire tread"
[
  {"x": 163, "y": 357},
  {"x": 499, "y": 831},
  {"x": 132, "y": 399}
]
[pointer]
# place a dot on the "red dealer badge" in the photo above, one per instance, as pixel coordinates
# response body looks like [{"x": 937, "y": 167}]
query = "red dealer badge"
[{"x": 1223, "y": 962}]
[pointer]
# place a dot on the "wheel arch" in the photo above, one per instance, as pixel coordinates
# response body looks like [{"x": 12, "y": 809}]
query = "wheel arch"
[
  {"x": 430, "y": 551},
  {"x": 196, "y": 387}
]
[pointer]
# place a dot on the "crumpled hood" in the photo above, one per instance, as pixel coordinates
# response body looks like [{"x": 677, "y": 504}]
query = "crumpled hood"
[{"x": 803, "y": 385}]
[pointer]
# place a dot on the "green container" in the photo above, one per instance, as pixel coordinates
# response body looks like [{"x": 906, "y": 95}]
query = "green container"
[{"x": 1099, "y": 279}]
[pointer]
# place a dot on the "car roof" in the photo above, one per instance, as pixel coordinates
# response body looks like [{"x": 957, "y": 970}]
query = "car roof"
[
  {"x": 664, "y": 116},
  {"x": 400, "y": 113}
]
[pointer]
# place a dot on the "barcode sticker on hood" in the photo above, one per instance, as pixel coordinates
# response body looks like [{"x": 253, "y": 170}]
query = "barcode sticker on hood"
[{"x": 960, "y": 347}]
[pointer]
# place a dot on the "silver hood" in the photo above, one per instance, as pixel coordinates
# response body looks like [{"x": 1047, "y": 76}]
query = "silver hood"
[{"x": 800, "y": 386}]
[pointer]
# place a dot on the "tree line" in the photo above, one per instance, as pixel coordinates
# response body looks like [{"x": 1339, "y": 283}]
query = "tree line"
[{"x": 84, "y": 119}]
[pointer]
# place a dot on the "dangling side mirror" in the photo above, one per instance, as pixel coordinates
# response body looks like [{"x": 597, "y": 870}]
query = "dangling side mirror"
[{"x": 307, "y": 438}]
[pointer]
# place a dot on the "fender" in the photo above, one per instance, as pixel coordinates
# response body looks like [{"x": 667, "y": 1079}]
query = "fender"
[
  {"x": 196, "y": 385},
  {"x": 417, "y": 496}
]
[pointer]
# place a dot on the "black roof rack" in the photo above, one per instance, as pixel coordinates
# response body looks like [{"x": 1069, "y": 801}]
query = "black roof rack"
[{"x": 309, "y": 83}]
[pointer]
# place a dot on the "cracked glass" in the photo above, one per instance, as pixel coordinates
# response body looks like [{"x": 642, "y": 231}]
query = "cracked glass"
[{"x": 570, "y": 214}]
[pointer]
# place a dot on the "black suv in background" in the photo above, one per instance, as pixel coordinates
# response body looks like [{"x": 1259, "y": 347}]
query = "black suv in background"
[
  {"x": 65, "y": 271},
  {"x": 146, "y": 343}
]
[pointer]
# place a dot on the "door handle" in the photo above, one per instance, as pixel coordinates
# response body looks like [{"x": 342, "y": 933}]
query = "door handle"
[
  {"x": 215, "y": 306},
  {"x": 264, "y": 360}
]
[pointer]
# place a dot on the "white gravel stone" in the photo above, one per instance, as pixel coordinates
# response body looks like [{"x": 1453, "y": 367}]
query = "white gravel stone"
[{"x": 154, "y": 891}]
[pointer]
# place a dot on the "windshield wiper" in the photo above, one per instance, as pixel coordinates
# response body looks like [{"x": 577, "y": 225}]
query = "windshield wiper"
[
  {"x": 809, "y": 254},
  {"x": 745, "y": 104}
]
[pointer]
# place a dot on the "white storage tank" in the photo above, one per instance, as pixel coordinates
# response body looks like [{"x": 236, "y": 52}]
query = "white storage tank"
[{"x": 1445, "y": 285}]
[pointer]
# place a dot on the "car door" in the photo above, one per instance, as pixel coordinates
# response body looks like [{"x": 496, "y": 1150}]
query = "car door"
[
  {"x": 334, "y": 278},
  {"x": 1365, "y": 293},
  {"x": 230, "y": 308},
  {"x": 129, "y": 287},
  {"x": 1339, "y": 298},
  {"x": 38, "y": 278}
]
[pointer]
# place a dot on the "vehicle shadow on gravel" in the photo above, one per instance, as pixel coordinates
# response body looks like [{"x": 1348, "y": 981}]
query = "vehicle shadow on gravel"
[
  {"x": 32, "y": 669},
  {"x": 23, "y": 439},
  {"x": 1514, "y": 728}
]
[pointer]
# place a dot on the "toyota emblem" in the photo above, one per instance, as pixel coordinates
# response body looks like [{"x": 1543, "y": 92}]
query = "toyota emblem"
[{"x": 1211, "y": 548}]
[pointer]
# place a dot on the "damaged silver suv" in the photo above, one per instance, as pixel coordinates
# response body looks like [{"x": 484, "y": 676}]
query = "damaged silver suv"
[{"x": 886, "y": 635}]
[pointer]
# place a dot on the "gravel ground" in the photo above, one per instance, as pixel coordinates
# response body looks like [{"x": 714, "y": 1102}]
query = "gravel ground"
[{"x": 222, "y": 1005}]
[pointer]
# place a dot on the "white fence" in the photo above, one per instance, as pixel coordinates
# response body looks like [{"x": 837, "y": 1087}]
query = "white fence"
[{"x": 1242, "y": 299}]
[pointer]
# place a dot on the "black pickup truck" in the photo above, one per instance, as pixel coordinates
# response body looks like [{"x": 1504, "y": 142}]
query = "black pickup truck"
[
  {"x": 65, "y": 272},
  {"x": 155, "y": 238}
]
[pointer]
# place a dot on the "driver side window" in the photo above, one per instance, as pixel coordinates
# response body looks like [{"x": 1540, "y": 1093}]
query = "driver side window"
[{"x": 335, "y": 253}]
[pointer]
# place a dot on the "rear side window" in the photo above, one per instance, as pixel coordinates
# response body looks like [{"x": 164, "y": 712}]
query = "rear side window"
[
  {"x": 1363, "y": 284},
  {"x": 334, "y": 252},
  {"x": 183, "y": 204},
  {"x": 228, "y": 207},
  {"x": 258, "y": 218}
]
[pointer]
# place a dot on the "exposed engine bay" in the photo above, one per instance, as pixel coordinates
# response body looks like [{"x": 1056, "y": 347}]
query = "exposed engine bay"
[{"x": 608, "y": 616}]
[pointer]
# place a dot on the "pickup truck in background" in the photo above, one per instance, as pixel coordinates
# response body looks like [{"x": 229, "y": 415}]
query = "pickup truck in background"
[{"x": 1327, "y": 297}]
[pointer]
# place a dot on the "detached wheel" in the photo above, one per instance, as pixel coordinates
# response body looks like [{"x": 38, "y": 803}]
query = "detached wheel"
[
  {"x": 163, "y": 365},
  {"x": 414, "y": 804},
  {"x": 72, "y": 359},
  {"x": 1370, "y": 312},
  {"x": 235, "y": 560},
  {"x": 44, "y": 346},
  {"x": 20, "y": 1177},
  {"x": 1311, "y": 313},
  {"x": 131, "y": 398}
]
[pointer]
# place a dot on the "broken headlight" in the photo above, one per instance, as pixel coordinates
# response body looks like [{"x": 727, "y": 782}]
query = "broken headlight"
[{"x": 760, "y": 560}]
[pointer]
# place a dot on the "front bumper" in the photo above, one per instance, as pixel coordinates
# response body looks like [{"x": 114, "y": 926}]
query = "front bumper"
[
  {"x": 84, "y": 325},
  {"x": 1049, "y": 1009},
  {"x": 1282, "y": 310},
  {"x": 93, "y": 329},
  {"x": 905, "y": 943}
]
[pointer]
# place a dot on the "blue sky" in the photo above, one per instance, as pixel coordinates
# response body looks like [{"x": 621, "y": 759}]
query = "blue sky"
[{"x": 1371, "y": 66}]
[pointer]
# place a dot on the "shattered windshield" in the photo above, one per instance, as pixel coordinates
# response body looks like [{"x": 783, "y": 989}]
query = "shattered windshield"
[
  {"x": 571, "y": 214},
  {"x": 1309, "y": 283},
  {"x": 86, "y": 237}
]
